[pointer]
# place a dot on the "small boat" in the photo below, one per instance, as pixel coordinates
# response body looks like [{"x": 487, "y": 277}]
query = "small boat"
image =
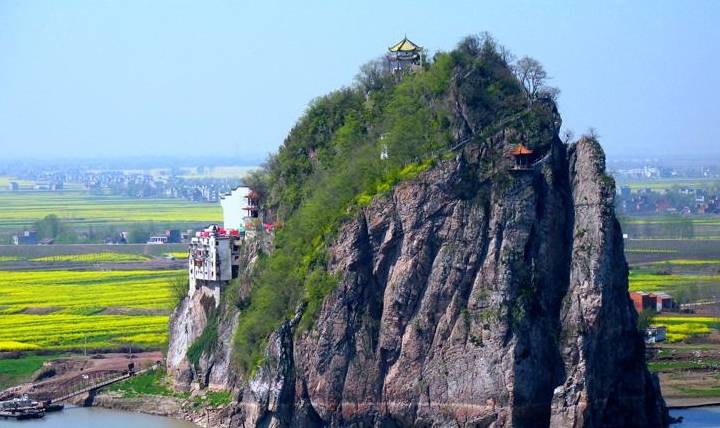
[{"x": 21, "y": 408}]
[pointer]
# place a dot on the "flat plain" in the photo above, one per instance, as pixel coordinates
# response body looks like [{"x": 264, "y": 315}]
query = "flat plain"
[
  {"x": 81, "y": 209},
  {"x": 73, "y": 310}
]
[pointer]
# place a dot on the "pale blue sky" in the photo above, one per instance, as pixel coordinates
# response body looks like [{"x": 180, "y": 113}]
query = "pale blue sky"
[{"x": 113, "y": 78}]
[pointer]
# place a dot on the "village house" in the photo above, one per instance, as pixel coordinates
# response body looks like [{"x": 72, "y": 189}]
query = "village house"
[{"x": 658, "y": 302}]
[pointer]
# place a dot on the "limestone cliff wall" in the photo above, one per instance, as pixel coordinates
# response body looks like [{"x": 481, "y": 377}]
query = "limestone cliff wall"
[{"x": 471, "y": 299}]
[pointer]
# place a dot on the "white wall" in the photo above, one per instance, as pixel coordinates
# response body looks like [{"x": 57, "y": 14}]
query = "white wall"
[{"x": 233, "y": 205}]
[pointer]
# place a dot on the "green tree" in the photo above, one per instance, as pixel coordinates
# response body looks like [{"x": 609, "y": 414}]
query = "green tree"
[
  {"x": 138, "y": 235},
  {"x": 49, "y": 227},
  {"x": 645, "y": 319}
]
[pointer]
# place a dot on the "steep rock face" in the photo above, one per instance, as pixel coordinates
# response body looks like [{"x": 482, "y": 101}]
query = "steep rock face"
[
  {"x": 607, "y": 383},
  {"x": 471, "y": 300},
  {"x": 187, "y": 323},
  {"x": 190, "y": 318}
]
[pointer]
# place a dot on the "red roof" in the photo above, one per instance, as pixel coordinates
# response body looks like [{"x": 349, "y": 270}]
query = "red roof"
[{"x": 520, "y": 150}]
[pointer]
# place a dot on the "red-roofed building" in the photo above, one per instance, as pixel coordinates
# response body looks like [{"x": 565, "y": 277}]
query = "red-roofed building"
[{"x": 642, "y": 301}]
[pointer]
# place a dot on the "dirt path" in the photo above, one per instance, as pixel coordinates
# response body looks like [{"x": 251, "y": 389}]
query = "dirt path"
[{"x": 63, "y": 374}]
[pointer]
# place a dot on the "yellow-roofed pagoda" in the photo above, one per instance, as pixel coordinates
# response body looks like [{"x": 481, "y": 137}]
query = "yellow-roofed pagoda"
[{"x": 404, "y": 55}]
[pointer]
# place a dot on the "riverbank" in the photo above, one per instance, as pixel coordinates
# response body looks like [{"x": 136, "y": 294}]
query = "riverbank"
[
  {"x": 173, "y": 407},
  {"x": 692, "y": 402}
]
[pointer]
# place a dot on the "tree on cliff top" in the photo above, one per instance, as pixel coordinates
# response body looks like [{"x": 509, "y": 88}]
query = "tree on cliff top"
[{"x": 533, "y": 77}]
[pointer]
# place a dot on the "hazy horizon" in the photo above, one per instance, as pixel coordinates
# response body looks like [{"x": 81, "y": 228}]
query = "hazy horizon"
[{"x": 83, "y": 79}]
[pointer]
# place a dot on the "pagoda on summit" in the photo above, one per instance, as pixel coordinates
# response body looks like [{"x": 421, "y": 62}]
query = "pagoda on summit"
[{"x": 404, "y": 55}]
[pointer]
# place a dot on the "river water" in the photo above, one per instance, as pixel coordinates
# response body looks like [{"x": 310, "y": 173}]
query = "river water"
[
  {"x": 699, "y": 417},
  {"x": 94, "y": 417}
]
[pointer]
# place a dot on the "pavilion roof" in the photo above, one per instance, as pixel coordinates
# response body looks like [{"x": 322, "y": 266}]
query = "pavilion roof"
[
  {"x": 520, "y": 150},
  {"x": 404, "y": 45}
]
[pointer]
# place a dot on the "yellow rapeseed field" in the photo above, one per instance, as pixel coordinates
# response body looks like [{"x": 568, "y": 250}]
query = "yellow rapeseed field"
[
  {"x": 62, "y": 310},
  {"x": 681, "y": 327}
]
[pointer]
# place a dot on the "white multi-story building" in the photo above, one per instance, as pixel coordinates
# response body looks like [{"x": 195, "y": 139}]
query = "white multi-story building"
[
  {"x": 233, "y": 205},
  {"x": 214, "y": 259}
]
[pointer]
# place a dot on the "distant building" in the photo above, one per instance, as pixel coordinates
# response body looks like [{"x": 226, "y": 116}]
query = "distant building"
[
  {"x": 663, "y": 302},
  {"x": 157, "y": 240},
  {"x": 173, "y": 236},
  {"x": 659, "y": 302},
  {"x": 14, "y": 186},
  {"x": 27, "y": 237},
  {"x": 642, "y": 301},
  {"x": 118, "y": 238}
]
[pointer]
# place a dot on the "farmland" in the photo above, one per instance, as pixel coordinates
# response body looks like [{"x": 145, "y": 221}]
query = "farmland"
[
  {"x": 672, "y": 227},
  {"x": 689, "y": 270},
  {"x": 65, "y": 310},
  {"x": 642, "y": 280},
  {"x": 661, "y": 184},
  {"x": 10, "y": 253},
  {"x": 92, "y": 258},
  {"x": 683, "y": 327},
  {"x": 81, "y": 210},
  {"x": 654, "y": 250}
]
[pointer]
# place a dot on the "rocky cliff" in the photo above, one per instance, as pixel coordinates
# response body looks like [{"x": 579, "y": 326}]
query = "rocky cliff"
[
  {"x": 472, "y": 304},
  {"x": 476, "y": 294}
]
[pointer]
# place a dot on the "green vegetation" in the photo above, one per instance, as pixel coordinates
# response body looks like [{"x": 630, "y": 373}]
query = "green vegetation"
[
  {"x": 29, "y": 252},
  {"x": 680, "y": 328},
  {"x": 177, "y": 254},
  {"x": 218, "y": 398},
  {"x": 63, "y": 310},
  {"x": 149, "y": 383},
  {"x": 641, "y": 280},
  {"x": 670, "y": 183},
  {"x": 330, "y": 166},
  {"x": 672, "y": 366},
  {"x": 81, "y": 213},
  {"x": 18, "y": 370},
  {"x": 155, "y": 382},
  {"x": 93, "y": 258},
  {"x": 206, "y": 342},
  {"x": 672, "y": 227},
  {"x": 179, "y": 287},
  {"x": 650, "y": 250},
  {"x": 686, "y": 262}
]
